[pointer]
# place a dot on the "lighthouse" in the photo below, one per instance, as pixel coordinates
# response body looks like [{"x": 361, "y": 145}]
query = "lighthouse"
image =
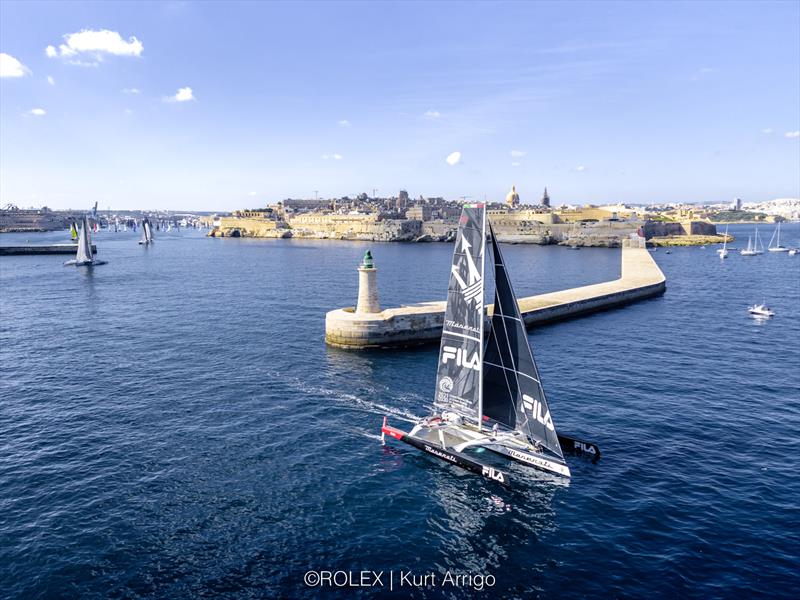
[{"x": 368, "y": 286}]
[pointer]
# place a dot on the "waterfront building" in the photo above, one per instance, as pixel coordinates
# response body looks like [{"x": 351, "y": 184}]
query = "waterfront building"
[
  {"x": 737, "y": 204},
  {"x": 419, "y": 212}
]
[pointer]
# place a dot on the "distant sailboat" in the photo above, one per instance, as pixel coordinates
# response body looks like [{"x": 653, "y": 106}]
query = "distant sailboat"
[
  {"x": 777, "y": 247},
  {"x": 84, "y": 257},
  {"x": 723, "y": 252},
  {"x": 753, "y": 249},
  {"x": 73, "y": 230},
  {"x": 147, "y": 233}
]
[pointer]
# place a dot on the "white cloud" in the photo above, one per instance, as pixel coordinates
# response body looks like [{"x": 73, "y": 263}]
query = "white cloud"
[
  {"x": 792, "y": 134},
  {"x": 767, "y": 131},
  {"x": 131, "y": 91},
  {"x": 517, "y": 153},
  {"x": 128, "y": 111},
  {"x": 343, "y": 123},
  {"x": 453, "y": 158},
  {"x": 432, "y": 114},
  {"x": 50, "y": 80},
  {"x": 252, "y": 194},
  {"x": 514, "y": 164},
  {"x": 580, "y": 169},
  {"x": 11, "y": 67},
  {"x": 38, "y": 112},
  {"x": 95, "y": 43},
  {"x": 332, "y": 157},
  {"x": 182, "y": 95}
]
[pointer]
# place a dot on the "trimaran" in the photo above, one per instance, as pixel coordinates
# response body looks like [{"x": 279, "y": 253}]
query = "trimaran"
[{"x": 488, "y": 391}]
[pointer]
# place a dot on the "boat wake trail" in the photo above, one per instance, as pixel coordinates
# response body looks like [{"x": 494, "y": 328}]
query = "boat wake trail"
[{"x": 350, "y": 401}]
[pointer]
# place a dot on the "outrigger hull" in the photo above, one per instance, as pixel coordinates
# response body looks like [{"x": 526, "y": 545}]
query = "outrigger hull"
[{"x": 451, "y": 456}]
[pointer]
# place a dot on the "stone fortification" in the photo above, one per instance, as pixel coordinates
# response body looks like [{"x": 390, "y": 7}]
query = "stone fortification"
[
  {"x": 669, "y": 228},
  {"x": 524, "y": 226},
  {"x": 421, "y": 323}
]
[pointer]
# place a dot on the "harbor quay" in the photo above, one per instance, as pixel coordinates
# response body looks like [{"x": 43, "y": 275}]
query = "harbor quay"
[{"x": 366, "y": 326}]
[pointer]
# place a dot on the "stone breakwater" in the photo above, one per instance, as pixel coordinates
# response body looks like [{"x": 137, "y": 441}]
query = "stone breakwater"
[{"x": 421, "y": 323}]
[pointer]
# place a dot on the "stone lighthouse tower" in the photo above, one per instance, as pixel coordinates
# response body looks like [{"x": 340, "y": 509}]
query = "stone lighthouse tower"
[{"x": 367, "y": 286}]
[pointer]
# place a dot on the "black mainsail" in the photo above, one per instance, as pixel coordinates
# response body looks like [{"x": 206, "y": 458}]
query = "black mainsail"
[
  {"x": 458, "y": 378},
  {"x": 513, "y": 393}
]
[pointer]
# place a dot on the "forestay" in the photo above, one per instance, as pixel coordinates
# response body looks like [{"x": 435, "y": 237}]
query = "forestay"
[
  {"x": 513, "y": 394},
  {"x": 458, "y": 378}
]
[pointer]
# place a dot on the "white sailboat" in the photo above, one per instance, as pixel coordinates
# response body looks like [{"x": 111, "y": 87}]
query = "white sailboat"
[
  {"x": 489, "y": 394},
  {"x": 84, "y": 257},
  {"x": 777, "y": 247},
  {"x": 723, "y": 252},
  {"x": 753, "y": 249}
]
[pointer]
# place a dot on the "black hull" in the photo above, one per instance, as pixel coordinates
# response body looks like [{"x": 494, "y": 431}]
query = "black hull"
[
  {"x": 459, "y": 459},
  {"x": 578, "y": 447}
]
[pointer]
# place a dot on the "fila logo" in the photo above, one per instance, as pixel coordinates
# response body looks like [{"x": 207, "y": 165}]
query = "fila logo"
[
  {"x": 460, "y": 356},
  {"x": 588, "y": 448},
  {"x": 492, "y": 474},
  {"x": 535, "y": 408}
]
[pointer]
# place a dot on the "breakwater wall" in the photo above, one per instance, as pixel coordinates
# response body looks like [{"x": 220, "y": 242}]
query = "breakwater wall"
[
  {"x": 38, "y": 250},
  {"x": 421, "y": 323}
]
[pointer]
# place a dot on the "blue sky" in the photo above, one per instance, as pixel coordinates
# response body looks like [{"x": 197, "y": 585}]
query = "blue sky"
[{"x": 600, "y": 102}]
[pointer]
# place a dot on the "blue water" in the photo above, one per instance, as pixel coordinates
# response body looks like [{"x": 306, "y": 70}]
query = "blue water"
[{"x": 172, "y": 425}]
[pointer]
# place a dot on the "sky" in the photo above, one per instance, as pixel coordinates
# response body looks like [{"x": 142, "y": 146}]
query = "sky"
[{"x": 218, "y": 106}]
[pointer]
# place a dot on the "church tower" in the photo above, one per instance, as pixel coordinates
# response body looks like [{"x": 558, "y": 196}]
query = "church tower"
[{"x": 545, "y": 199}]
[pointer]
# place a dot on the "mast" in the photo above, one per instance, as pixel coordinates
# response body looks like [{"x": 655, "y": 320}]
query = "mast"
[{"x": 483, "y": 319}]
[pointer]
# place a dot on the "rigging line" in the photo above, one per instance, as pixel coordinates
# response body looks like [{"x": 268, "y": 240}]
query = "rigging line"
[
  {"x": 507, "y": 369},
  {"x": 505, "y": 328},
  {"x": 505, "y": 376},
  {"x": 515, "y": 309}
]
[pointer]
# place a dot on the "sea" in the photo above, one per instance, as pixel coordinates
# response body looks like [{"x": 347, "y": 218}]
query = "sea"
[{"x": 172, "y": 425}]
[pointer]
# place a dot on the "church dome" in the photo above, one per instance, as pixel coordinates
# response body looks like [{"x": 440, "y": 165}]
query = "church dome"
[{"x": 512, "y": 199}]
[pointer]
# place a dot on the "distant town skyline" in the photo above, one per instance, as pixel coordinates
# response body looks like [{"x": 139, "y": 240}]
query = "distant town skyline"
[{"x": 212, "y": 106}]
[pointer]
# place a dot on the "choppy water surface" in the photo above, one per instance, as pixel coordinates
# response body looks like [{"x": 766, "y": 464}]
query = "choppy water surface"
[{"x": 173, "y": 425}]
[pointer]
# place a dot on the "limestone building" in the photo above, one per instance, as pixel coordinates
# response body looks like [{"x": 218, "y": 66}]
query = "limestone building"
[{"x": 512, "y": 198}]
